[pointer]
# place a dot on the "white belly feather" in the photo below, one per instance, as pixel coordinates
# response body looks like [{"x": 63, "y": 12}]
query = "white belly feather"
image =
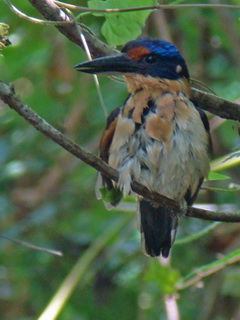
[{"x": 169, "y": 165}]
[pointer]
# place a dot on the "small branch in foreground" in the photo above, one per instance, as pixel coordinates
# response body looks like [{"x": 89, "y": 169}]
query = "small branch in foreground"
[
  {"x": 154, "y": 7},
  {"x": 205, "y": 271},
  {"x": 8, "y": 95},
  {"x": 32, "y": 246}
]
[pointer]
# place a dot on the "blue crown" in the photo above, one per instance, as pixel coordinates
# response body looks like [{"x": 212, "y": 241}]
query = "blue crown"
[{"x": 161, "y": 47}]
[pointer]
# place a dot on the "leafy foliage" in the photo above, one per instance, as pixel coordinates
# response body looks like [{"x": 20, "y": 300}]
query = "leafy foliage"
[{"x": 217, "y": 176}]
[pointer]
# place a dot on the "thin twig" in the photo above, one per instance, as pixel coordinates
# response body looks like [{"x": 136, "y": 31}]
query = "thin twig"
[
  {"x": 203, "y": 272},
  {"x": 140, "y": 8},
  {"x": 33, "y": 19},
  {"x": 95, "y": 77},
  {"x": 32, "y": 246},
  {"x": 8, "y": 95},
  {"x": 235, "y": 189}
]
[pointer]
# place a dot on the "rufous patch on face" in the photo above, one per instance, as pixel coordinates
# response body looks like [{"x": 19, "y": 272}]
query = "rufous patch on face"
[{"x": 137, "y": 53}]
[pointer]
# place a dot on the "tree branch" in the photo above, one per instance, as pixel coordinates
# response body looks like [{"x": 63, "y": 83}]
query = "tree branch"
[
  {"x": 8, "y": 95},
  {"x": 218, "y": 106}
]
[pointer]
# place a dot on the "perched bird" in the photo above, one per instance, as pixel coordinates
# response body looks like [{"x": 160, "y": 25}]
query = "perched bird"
[{"x": 159, "y": 137}]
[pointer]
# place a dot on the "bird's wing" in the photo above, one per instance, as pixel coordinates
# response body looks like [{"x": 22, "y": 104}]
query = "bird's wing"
[
  {"x": 189, "y": 197},
  {"x": 104, "y": 186},
  {"x": 205, "y": 122}
]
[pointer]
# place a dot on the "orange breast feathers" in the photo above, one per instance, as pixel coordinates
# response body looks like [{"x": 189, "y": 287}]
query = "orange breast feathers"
[
  {"x": 159, "y": 124},
  {"x": 158, "y": 120}
]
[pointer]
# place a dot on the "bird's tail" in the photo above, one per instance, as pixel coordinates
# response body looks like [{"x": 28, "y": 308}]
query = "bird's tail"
[{"x": 158, "y": 226}]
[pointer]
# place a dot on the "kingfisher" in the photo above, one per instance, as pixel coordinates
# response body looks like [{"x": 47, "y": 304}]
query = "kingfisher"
[{"x": 159, "y": 137}]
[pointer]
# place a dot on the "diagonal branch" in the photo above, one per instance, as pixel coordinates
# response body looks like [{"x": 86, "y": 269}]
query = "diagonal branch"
[{"x": 8, "y": 95}]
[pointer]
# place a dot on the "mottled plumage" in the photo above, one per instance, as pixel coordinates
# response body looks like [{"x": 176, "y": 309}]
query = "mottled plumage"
[{"x": 158, "y": 137}]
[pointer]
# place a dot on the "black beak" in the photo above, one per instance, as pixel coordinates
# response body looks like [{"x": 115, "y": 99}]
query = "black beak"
[{"x": 109, "y": 65}]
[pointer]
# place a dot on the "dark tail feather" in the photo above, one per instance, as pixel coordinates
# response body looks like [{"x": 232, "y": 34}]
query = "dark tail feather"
[{"x": 159, "y": 227}]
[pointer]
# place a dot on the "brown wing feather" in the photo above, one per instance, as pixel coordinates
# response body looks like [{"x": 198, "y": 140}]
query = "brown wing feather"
[
  {"x": 106, "y": 141},
  {"x": 108, "y": 133}
]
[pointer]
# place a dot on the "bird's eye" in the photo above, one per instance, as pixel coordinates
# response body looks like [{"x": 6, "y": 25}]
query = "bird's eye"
[{"x": 151, "y": 58}]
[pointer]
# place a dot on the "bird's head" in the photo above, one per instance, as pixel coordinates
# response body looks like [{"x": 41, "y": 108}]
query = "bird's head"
[{"x": 146, "y": 57}]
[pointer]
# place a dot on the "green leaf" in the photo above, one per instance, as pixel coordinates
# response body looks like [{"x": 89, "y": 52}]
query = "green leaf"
[
  {"x": 165, "y": 277},
  {"x": 121, "y": 27},
  {"x": 216, "y": 176}
]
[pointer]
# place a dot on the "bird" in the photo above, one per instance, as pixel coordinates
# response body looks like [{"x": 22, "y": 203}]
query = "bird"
[{"x": 159, "y": 137}]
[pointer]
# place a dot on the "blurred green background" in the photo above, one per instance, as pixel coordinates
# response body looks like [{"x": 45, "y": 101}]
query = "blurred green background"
[{"x": 47, "y": 196}]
